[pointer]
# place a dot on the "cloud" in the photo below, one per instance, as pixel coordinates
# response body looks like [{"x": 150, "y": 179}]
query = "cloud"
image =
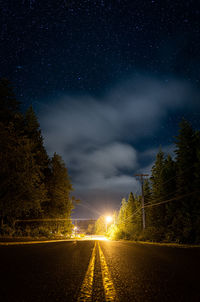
[
  {"x": 129, "y": 111},
  {"x": 103, "y": 164},
  {"x": 98, "y": 138}
]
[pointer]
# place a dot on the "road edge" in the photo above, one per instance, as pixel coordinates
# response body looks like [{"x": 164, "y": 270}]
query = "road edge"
[
  {"x": 34, "y": 242},
  {"x": 163, "y": 244}
]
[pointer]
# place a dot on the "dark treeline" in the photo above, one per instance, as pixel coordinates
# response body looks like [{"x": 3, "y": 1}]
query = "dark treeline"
[
  {"x": 32, "y": 185},
  {"x": 172, "y": 196}
]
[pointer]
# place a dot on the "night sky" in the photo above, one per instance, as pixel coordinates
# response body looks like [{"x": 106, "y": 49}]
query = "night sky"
[{"x": 109, "y": 81}]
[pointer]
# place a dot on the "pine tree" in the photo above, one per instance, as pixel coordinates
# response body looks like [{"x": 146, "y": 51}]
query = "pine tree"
[
  {"x": 130, "y": 211},
  {"x": 100, "y": 226},
  {"x": 26, "y": 174},
  {"x": 186, "y": 159},
  {"x": 169, "y": 193},
  {"x": 157, "y": 213},
  {"x": 147, "y": 200},
  {"x": 147, "y": 191},
  {"x": 129, "y": 218},
  {"x": 60, "y": 204},
  {"x": 196, "y": 216},
  {"x": 137, "y": 218},
  {"x": 122, "y": 218},
  {"x": 33, "y": 132},
  {"x": 20, "y": 188}
]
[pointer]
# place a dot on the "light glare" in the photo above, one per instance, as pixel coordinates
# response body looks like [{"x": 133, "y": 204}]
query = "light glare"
[{"x": 108, "y": 218}]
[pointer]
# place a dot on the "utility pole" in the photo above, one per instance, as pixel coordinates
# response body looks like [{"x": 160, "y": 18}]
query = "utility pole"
[{"x": 141, "y": 176}]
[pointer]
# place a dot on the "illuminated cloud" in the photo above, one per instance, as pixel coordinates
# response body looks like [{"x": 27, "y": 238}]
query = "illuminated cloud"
[{"x": 98, "y": 138}]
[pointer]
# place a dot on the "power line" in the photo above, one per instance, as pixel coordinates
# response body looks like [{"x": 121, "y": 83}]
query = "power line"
[
  {"x": 89, "y": 207},
  {"x": 165, "y": 201},
  {"x": 175, "y": 191},
  {"x": 172, "y": 199},
  {"x": 159, "y": 203},
  {"x": 177, "y": 176}
]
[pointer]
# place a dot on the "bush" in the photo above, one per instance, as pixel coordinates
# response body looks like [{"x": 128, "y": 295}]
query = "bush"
[
  {"x": 7, "y": 230},
  {"x": 115, "y": 233},
  {"x": 152, "y": 234},
  {"x": 44, "y": 231}
]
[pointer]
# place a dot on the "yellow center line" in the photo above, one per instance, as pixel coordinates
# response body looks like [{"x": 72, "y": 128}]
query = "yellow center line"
[
  {"x": 109, "y": 289},
  {"x": 85, "y": 294}
]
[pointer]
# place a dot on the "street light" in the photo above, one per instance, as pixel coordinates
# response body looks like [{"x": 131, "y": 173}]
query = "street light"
[{"x": 108, "y": 220}]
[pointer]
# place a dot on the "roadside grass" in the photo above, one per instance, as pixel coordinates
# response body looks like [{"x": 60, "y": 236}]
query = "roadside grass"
[{"x": 180, "y": 245}]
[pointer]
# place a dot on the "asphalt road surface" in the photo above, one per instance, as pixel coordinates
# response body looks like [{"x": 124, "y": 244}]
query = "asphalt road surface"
[{"x": 99, "y": 271}]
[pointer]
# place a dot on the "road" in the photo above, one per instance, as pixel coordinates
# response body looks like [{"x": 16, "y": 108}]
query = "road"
[{"x": 99, "y": 271}]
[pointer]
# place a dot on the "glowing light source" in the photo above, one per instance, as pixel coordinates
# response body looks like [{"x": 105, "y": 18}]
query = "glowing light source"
[{"x": 108, "y": 219}]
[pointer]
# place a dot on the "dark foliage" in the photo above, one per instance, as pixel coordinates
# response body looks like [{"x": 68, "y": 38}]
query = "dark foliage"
[
  {"x": 32, "y": 186},
  {"x": 172, "y": 202}
]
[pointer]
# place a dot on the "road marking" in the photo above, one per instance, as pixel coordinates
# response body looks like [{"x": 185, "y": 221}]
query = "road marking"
[
  {"x": 86, "y": 287},
  {"x": 109, "y": 289}
]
